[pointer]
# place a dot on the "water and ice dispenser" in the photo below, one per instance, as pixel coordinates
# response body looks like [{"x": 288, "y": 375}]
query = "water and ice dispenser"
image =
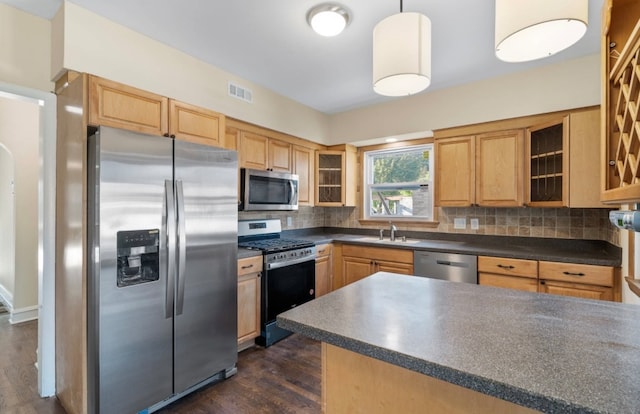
[{"x": 138, "y": 257}]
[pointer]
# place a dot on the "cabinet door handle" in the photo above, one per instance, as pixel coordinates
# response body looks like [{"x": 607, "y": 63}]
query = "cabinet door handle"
[
  {"x": 505, "y": 266},
  {"x": 573, "y": 274},
  {"x": 321, "y": 251},
  {"x": 247, "y": 266}
]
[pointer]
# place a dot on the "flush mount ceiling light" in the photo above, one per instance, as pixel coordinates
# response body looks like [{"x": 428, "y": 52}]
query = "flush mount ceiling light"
[
  {"x": 402, "y": 54},
  {"x": 328, "y": 19},
  {"x": 533, "y": 29}
]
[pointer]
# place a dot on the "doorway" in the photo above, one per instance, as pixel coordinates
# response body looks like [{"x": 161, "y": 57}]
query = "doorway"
[{"x": 42, "y": 168}]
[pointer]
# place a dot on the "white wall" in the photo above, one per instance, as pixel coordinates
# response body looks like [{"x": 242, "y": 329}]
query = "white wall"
[
  {"x": 90, "y": 43},
  {"x": 565, "y": 85},
  {"x": 7, "y": 262},
  {"x": 25, "y": 49},
  {"x": 20, "y": 134}
]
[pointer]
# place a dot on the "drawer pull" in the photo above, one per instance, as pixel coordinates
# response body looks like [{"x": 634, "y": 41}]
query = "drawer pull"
[
  {"x": 573, "y": 274},
  {"x": 321, "y": 251},
  {"x": 505, "y": 266},
  {"x": 247, "y": 266}
]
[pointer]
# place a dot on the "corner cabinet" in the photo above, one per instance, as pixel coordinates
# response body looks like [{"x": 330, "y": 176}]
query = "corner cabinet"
[
  {"x": 482, "y": 170},
  {"x": 120, "y": 106},
  {"x": 249, "y": 275},
  {"x": 620, "y": 99},
  {"x": 336, "y": 177},
  {"x": 561, "y": 154}
]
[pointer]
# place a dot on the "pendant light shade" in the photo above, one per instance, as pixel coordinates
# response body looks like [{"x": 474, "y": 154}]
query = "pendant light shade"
[
  {"x": 533, "y": 29},
  {"x": 402, "y": 54}
]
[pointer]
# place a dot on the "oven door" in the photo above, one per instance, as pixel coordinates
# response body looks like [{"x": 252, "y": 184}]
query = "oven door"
[{"x": 287, "y": 287}]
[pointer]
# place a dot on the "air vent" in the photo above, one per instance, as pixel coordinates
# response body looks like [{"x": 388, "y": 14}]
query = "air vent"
[{"x": 240, "y": 92}]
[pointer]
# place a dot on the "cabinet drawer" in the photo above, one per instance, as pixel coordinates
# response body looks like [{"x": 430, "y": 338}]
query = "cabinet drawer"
[
  {"x": 519, "y": 283},
  {"x": 378, "y": 253},
  {"x": 249, "y": 265},
  {"x": 577, "y": 273},
  {"x": 509, "y": 267},
  {"x": 323, "y": 250}
]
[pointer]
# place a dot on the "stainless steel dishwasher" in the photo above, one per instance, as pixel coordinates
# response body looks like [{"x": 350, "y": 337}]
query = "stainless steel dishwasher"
[{"x": 446, "y": 266}]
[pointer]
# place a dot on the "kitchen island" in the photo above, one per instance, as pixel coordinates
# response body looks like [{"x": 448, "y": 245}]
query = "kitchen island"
[{"x": 394, "y": 342}]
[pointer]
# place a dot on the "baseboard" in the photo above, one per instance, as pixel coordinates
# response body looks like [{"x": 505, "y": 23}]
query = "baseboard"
[{"x": 21, "y": 315}]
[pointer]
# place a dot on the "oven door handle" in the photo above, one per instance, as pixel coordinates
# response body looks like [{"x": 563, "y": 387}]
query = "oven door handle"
[{"x": 277, "y": 265}]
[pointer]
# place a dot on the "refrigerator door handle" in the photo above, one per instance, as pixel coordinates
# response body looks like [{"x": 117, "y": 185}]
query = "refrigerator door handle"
[
  {"x": 170, "y": 241},
  {"x": 182, "y": 247}
]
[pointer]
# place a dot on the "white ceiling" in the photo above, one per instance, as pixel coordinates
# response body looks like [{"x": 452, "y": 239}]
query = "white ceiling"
[{"x": 269, "y": 42}]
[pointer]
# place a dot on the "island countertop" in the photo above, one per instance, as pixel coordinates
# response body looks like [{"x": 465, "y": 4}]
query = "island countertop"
[{"x": 546, "y": 352}]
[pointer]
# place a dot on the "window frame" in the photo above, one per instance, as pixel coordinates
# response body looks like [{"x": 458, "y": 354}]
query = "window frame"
[{"x": 421, "y": 221}]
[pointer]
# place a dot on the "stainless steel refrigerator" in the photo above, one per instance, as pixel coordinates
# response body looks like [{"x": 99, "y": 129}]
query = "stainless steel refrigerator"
[{"x": 162, "y": 282}]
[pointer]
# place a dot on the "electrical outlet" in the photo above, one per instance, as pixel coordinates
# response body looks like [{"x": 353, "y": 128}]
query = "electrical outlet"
[
  {"x": 289, "y": 221},
  {"x": 459, "y": 223},
  {"x": 475, "y": 224}
]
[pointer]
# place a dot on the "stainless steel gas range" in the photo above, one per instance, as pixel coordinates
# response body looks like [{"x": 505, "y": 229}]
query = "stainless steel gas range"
[{"x": 289, "y": 273}]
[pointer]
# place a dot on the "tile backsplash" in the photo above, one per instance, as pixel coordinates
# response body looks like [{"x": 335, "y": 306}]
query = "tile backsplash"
[{"x": 564, "y": 223}]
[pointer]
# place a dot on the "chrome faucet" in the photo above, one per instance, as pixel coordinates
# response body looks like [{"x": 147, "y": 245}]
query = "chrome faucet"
[{"x": 392, "y": 231}]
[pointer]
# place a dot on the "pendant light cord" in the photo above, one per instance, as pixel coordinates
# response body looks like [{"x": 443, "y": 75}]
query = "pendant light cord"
[{"x": 400, "y": 6}]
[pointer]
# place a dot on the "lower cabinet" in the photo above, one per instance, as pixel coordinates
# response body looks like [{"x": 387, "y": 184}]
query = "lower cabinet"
[
  {"x": 579, "y": 280},
  {"x": 508, "y": 273},
  {"x": 359, "y": 262},
  {"x": 324, "y": 271},
  {"x": 249, "y": 274},
  {"x": 566, "y": 279}
]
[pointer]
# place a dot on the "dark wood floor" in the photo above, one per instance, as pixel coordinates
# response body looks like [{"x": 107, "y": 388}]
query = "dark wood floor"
[{"x": 284, "y": 378}]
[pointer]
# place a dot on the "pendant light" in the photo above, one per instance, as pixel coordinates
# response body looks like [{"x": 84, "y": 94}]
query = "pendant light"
[
  {"x": 533, "y": 29},
  {"x": 402, "y": 54}
]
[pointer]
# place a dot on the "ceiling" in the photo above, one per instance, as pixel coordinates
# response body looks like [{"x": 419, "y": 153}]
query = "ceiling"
[{"x": 275, "y": 48}]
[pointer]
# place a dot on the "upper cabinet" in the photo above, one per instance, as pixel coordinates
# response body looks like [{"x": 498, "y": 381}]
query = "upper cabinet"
[
  {"x": 561, "y": 155},
  {"x": 484, "y": 170},
  {"x": 303, "y": 165},
  {"x": 263, "y": 153},
  {"x": 620, "y": 98},
  {"x": 120, "y": 106},
  {"x": 194, "y": 124},
  {"x": 547, "y": 164},
  {"x": 336, "y": 176}
]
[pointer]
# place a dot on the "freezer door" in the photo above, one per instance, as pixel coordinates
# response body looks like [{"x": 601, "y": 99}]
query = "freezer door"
[
  {"x": 206, "y": 289},
  {"x": 130, "y": 315}
]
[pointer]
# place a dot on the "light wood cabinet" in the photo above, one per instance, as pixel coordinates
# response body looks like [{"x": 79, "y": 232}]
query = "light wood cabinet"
[
  {"x": 303, "y": 165},
  {"x": 194, "y": 124},
  {"x": 499, "y": 170},
  {"x": 509, "y": 273},
  {"x": 324, "y": 271},
  {"x": 455, "y": 172},
  {"x": 336, "y": 177},
  {"x": 484, "y": 170},
  {"x": 253, "y": 151},
  {"x": 359, "y": 262},
  {"x": 120, "y": 106},
  {"x": 579, "y": 280},
  {"x": 263, "y": 153},
  {"x": 561, "y": 154},
  {"x": 620, "y": 71},
  {"x": 249, "y": 275}
]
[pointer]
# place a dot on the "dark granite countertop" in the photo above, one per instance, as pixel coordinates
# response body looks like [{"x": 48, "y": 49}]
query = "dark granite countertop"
[
  {"x": 546, "y": 352},
  {"x": 594, "y": 252},
  {"x": 244, "y": 253}
]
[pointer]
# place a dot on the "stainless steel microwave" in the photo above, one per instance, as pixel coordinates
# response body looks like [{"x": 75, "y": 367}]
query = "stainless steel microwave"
[{"x": 268, "y": 190}]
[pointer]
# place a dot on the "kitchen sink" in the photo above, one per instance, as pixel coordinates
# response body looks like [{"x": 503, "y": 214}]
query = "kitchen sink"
[{"x": 398, "y": 241}]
